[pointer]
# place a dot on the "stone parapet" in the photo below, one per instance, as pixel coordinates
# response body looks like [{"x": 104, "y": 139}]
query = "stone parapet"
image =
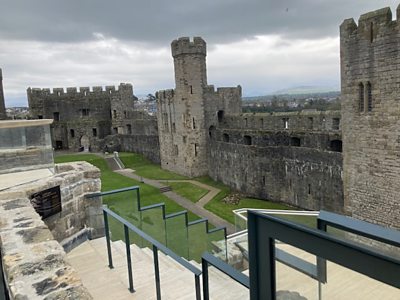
[{"x": 32, "y": 257}]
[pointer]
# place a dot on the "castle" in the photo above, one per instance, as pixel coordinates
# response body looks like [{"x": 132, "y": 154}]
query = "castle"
[{"x": 295, "y": 158}]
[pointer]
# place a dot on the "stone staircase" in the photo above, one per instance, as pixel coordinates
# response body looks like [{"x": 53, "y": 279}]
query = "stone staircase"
[{"x": 90, "y": 261}]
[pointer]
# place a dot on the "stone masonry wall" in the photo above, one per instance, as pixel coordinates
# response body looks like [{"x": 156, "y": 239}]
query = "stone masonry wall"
[
  {"x": 370, "y": 62},
  {"x": 32, "y": 257},
  {"x": 83, "y": 116},
  {"x": 305, "y": 176}
]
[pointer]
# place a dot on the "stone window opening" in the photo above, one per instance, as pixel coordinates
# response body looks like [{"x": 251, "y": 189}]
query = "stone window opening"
[
  {"x": 245, "y": 122},
  {"x": 85, "y": 112},
  {"x": 72, "y": 133},
  {"x": 58, "y": 93},
  {"x": 336, "y": 145},
  {"x": 220, "y": 115},
  {"x": 285, "y": 123},
  {"x": 369, "y": 96},
  {"x": 211, "y": 132},
  {"x": 176, "y": 150},
  {"x": 115, "y": 130},
  {"x": 196, "y": 150},
  {"x": 114, "y": 114},
  {"x": 125, "y": 114},
  {"x": 94, "y": 132},
  {"x": 247, "y": 140},
  {"x": 262, "y": 123},
  {"x": 335, "y": 123},
  {"x": 40, "y": 117},
  {"x": 263, "y": 179},
  {"x": 225, "y": 137},
  {"x": 361, "y": 97},
  {"x": 184, "y": 139},
  {"x": 165, "y": 118},
  {"x": 129, "y": 128},
  {"x": 371, "y": 32},
  {"x": 193, "y": 123},
  {"x": 309, "y": 189},
  {"x": 56, "y": 116},
  {"x": 191, "y": 89},
  {"x": 310, "y": 123},
  {"x": 173, "y": 127},
  {"x": 85, "y": 93},
  {"x": 295, "y": 142}
]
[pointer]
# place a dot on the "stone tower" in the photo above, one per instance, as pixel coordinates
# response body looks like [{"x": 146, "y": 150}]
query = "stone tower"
[
  {"x": 181, "y": 112},
  {"x": 370, "y": 76},
  {"x": 3, "y": 115}
]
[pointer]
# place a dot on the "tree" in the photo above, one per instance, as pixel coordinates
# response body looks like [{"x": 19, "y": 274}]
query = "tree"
[{"x": 150, "y": 97}]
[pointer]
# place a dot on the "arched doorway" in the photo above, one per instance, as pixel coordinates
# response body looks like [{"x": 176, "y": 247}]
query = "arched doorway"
[{"x": 85, "y": 143}]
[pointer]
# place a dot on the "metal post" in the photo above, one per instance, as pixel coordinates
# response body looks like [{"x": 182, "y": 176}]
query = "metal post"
[
  {"x": 157, "y": 272},
  {"x": 204, "y": 267},
  {"x": 197, "y": 284},
  {"x": 128, "y": 258},
  {"x": 321, "y": 263},
  {"x": 226, "y": 246},
  {"x": 107, "y": 232}
]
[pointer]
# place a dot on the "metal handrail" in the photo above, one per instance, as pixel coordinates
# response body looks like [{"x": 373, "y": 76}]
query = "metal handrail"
[
  {"x": 209, "y": 259},
  {"x": 359, "y": 227},
  {"x": 156, "y": 246},
  {"x": 165, "y": 216}
]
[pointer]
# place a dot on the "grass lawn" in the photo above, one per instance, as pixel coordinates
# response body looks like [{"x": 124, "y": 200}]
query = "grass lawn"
[
  {"x": 151, "y": 221},
  {"x": 224, "y": 210},
  {"x": 188, "y": 190},
  {"x": 145, "y": 168}
]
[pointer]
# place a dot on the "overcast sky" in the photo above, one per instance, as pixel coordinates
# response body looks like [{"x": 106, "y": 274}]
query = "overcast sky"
[{"x": 263, "y": 45}]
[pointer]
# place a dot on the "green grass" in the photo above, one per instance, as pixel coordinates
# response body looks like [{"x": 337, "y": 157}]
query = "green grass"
[
  {"x": 224, "y": 210},
  {"x": 145, "y": 168},
  {"x": 188, "y": 190},
  {"x": 150, "y": 220}
]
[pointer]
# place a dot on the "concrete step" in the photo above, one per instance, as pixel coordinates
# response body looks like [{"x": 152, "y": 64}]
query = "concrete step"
[{"x": 90, "y": 260}]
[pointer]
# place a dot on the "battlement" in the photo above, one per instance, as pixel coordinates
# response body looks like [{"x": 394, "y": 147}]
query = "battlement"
[
  {"x": 83, "y": 91},
  {"x": 184, "y": 45},
  {"x": 165, "y": 95},
  {"x": 369, "y": 24}
]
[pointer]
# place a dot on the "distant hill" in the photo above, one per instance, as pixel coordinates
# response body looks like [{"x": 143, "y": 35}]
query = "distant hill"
[{"x": 300, "y": 90}]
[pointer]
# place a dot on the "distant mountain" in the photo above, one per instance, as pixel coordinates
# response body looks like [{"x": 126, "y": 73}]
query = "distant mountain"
[{"x": 306, "y": 90}]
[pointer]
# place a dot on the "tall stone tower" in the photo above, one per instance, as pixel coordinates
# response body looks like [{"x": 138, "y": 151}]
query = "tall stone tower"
[
  {"x": 3, "y": 115},
  {"x": 370, "y": 76},
  {"x": 181, "y": 112}
]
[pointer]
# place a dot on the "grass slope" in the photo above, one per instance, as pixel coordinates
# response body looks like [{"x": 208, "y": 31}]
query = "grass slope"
[{"x": 145, "y": 168}]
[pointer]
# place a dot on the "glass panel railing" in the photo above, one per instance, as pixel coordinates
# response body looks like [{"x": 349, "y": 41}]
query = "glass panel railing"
[
  {"x": 240, "y": 220},
  {"x": 124, "y": 204},
  {"x": 177, "y": 234},
  {"x": 292, "y": 283},
  {"x": 217, "y": 244},
  {"x": 153, "y": 223},
  {"x": 197, "y": 240},
  {"x": 341, "y": 282},
  {"x": 344, "y": 283}
]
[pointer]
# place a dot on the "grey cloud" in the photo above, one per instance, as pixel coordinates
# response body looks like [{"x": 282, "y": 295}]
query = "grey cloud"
[{"x": 159, "y": 21}]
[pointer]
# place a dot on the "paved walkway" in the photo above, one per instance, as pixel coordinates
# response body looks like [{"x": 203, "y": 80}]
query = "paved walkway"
[{"x": 189, "y": 205}]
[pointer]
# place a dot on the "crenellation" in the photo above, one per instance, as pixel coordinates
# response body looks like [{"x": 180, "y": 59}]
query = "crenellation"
[
  {"x": 72, "y": 90},
  {"x": 97, "y": 89},
  {"x": 58, "y": 91},
  {"x": 184, "y": 45}
]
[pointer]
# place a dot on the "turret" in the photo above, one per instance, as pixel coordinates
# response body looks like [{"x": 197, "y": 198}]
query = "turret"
[
  {"x": 190, "y": 64},
  {"x": 2, "y": 104}
]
